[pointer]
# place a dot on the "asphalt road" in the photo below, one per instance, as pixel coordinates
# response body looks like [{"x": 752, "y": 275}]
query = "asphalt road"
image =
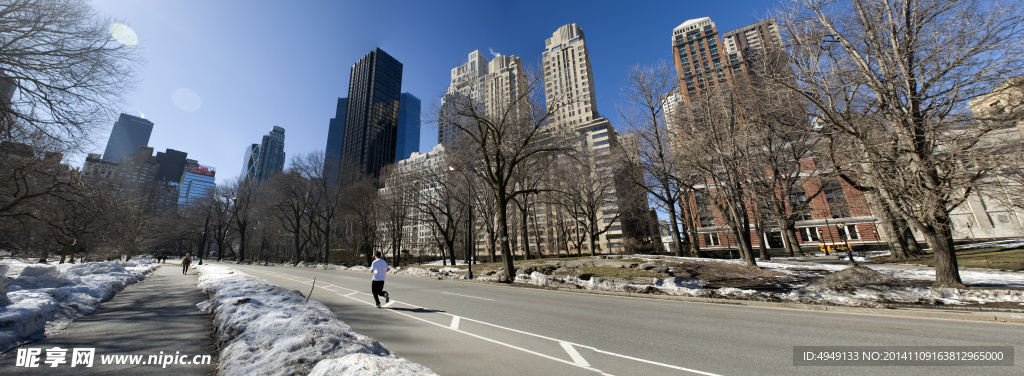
[{"x": 463, "y": 328}]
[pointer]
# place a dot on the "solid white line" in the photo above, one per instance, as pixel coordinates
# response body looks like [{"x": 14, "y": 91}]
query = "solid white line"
[
  {"x": 575, "y": 355},
  {"x": 466, "y": 296},
  {"x": 455, "y": 323},
  {"x": 388, "y": 304}
]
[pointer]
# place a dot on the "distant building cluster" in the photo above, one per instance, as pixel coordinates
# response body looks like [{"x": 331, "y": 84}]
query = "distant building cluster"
[{"x": 157, "y": 183}]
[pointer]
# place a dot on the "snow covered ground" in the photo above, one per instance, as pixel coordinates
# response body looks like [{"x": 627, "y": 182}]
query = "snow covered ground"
[
  {"x": 45, "y": 298},
  {"x": 867, "y": 296},
  {"x": 262, "y": 327}
]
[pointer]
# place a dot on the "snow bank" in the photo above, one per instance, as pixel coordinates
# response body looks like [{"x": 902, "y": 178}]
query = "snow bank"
[
  {"x": 855, "y": 296},
  {"x": 46, "y": 298},
  {"x": 265, "y": 329}
]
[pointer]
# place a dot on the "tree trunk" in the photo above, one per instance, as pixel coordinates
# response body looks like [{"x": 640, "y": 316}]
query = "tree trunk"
[
  {"x": 762, "y": 247},
  {"x": 947, "y": 272},
  {"x": 524, "y": 229},
  {"x": 677, "y": 240},
  {"x": 792, "y": 241},
  {"x": 506, "y": 251}
]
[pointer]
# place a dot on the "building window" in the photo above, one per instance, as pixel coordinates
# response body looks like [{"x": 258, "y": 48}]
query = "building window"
[
  {"x": 711, "y": 239},
  {"x": 809, "y": 234},
  {"x": 851, "y": 232}
]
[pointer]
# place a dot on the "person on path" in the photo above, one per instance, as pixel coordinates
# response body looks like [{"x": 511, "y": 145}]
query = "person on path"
[
  {"x": 185, "y": 263},
  {"x": 379, "y": 268}
]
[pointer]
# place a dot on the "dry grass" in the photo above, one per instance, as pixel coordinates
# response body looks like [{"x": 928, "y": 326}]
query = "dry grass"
[{"x": 613, "y": 272}]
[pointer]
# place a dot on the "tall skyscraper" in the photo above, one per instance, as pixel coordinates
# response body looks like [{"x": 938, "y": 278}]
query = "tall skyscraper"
[
  {"x": 270, "y": 158},
  {"x": 172, "y": 165},
  {"x": 128, "y": 134},
  {"x": 371, "y": 121},
  {"x": 251, "y": 155},
  {"x": 408, "y": 141},
  {"x": 197, "y": 181},
  {"x": 698, "y": 58},
  {"x": 492, "y": 85},
  {"x": 335, "y": 140},
  {"x": 568, "y": 78},
  {"x": 569, "y": 88}
]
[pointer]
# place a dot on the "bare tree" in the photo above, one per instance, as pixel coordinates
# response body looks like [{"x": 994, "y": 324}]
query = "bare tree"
[
  {"x": 291, "y": 201},
  {"x": 243, "y": 210},
  {"x": 648, "y": 89},
  {"x": 68, "y": 70},
  {"x": 893, "y": 79},
  {"x": 719, "y": 144},
  {"x": 504, "y": 137}
]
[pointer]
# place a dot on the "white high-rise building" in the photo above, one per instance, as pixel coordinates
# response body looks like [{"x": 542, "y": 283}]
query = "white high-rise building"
[
  {"x": 568, "y": 78},
  {"x": 492, "y": 85}
]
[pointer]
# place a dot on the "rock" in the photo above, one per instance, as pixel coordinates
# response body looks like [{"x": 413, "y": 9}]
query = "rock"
[{"x": 852, "y": 277}]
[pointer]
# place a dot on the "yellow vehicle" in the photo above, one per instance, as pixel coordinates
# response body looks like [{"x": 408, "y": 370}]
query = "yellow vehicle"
[{"x": 832, "y": 248}]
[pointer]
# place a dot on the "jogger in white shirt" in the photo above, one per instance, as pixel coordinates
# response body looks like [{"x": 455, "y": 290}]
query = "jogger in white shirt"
[{"x": 379, "y": 268}]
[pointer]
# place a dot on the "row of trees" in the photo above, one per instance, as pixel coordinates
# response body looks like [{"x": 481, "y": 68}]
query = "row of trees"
[{"x": 871, "y": 92}]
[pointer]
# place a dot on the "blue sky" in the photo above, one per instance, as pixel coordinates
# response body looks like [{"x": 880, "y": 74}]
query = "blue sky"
[{"x": 219, "y": 74}]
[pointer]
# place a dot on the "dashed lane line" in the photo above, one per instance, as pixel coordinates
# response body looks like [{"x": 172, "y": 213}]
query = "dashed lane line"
[{"x": 466, "y": 296}]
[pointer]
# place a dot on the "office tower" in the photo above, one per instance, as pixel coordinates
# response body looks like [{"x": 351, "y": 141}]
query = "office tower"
[
  {"x": 696, "y": 48},
  {"x": 371, "y": 121},
  {"x": 128, "y": 134},
  {"x": 335, "y": 140},
  {"x": 172, "y": 165},
  {"x": 569, "y": 89},
  {"x": 490, "y": 85},
  {"x": 270, "y": 159},
  {"x": 197, "y": 182},
  {"x": 408, "y": 141},
  {"x": 568, "y": 78},
  {"x": 251, "y": 155}
]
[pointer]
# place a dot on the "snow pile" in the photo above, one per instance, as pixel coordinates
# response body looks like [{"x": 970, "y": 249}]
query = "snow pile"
[
  {"x": 446, "y": 273},
  {"x": 44, "y": 299},
  {"x": 263, "y": 327},
  {"x": 857, "y": 288}
]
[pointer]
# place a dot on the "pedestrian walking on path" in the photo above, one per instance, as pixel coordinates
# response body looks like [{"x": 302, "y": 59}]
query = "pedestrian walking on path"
[
  {"x": 379, "y": 268},
  {"x": 185, "y": 263}
]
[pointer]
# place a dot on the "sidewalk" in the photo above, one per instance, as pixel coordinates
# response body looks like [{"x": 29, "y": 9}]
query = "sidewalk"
[{"x": 156, "y": 315}]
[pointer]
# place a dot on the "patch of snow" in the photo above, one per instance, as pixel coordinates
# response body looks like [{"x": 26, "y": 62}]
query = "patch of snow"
[
  {"x": 44, "y": 299},
  {"x": 263, "y": 327}
]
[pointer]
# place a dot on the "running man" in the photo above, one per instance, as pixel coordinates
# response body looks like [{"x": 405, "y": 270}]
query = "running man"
[{"x": 379, "y": 268}]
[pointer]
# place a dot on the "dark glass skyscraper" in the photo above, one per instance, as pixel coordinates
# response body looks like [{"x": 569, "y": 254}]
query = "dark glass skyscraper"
[
  {"x": 408, "y": 127},
  {"x": 335, "y": 139},
  {"x": 128, "y": 134},
  {"x": 270, "y": 159},
  {"x": 172, "y": 165},
  {"x": 371, "y": 121}
]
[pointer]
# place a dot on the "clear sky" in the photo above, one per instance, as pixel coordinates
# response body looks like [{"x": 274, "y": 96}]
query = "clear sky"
[{"x": 219, "y": 74}]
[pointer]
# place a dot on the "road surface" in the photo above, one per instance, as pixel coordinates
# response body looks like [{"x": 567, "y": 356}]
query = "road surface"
[{"x": 464, "y": 328}]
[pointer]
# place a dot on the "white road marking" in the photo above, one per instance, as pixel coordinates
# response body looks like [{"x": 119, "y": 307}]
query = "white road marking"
[
  {"x": 578, "y": 360},
  {"x": 455, "y": 323},
  {"x": 575, "y": 355},
  {"x": 388, "y": 304},
  {"x": 466, "y": 296}
]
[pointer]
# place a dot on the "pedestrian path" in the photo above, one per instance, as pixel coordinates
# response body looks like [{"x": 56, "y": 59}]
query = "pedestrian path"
[{"x": 150, "y": 328}]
